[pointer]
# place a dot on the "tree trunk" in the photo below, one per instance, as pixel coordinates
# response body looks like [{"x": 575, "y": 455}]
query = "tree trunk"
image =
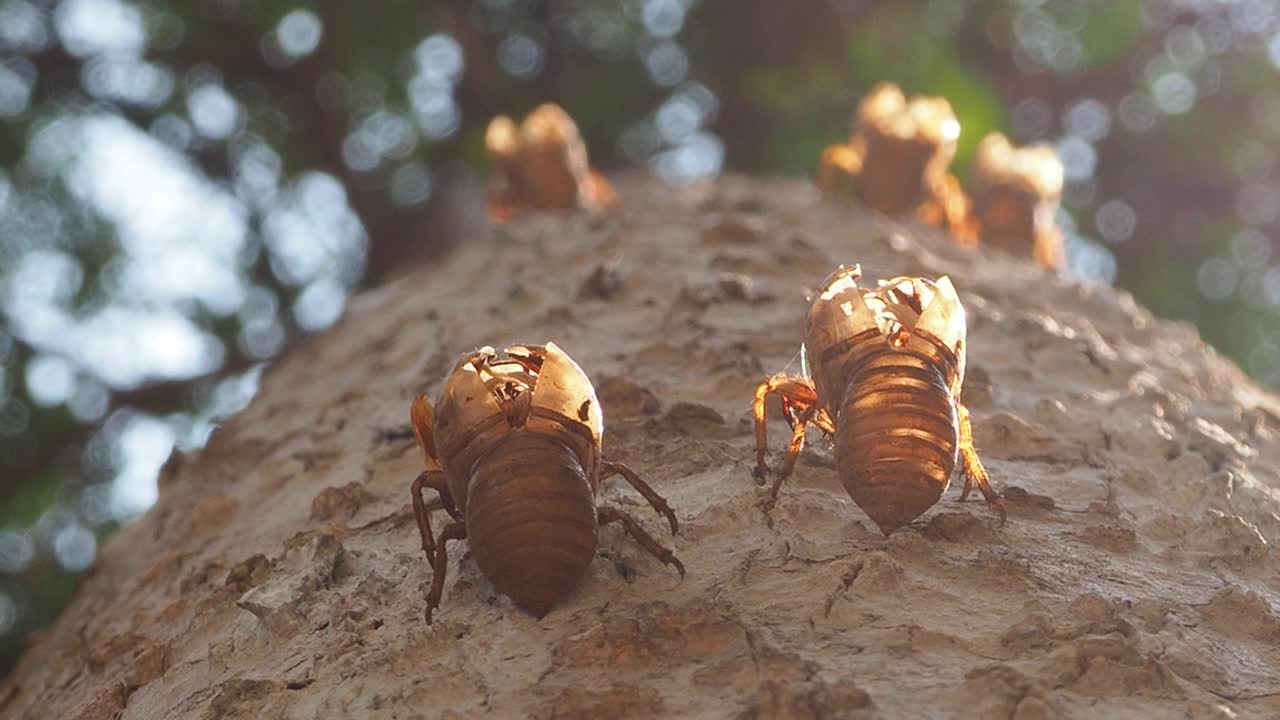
[{"x": 280, "y": 574}]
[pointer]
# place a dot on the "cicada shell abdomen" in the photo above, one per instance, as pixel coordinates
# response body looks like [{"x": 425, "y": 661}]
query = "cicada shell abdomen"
[
  {"x": 520, "y": 440},
  {"x": 888, "y": 365},
  {"x": 531, "y": 519}
]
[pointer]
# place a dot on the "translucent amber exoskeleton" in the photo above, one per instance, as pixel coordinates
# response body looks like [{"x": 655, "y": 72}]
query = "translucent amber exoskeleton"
[{"x": 885, "y": 368}]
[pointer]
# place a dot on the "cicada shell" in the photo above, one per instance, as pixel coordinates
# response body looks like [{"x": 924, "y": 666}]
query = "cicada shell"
[
  {"x": 513, "y": 447},
  {"x": 541, "y": 164},
  {"x": 898, "y": 153},
  {"x": 1016, "y": 192},
  {"x": 885, "y": 370}
]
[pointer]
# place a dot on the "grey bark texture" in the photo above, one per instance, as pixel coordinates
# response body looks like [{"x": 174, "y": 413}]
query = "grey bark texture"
[{"x": 280, "y": 574}]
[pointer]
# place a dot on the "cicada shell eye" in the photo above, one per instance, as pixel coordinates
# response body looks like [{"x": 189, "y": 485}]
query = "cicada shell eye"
[
  {"x": 844, "y": 278},
  {"x": 530, "y": 356},
  {"x": 466, "y": 405},
  {"x": 565, "y": 389},
  {"x": 479, "y": 358},
  {"x": 944, "y": 318}
]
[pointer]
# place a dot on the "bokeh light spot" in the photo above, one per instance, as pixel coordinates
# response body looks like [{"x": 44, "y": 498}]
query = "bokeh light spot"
[
  {"x": 410, "y": 185},
  {"x": 15, "y": 90},
  {"x": 319, "y": 305},
  {"x": 8, "y": 613},
  {"x": 22, "y": 27},
  {"x": 90, "y": 402},
  {"x": 1174, "y": 93},
  {"x": 299, "y": 33},
  {"x": 667, "y": 63},
  {"x": 1137, "y": 112},
  {"x": 74, "y": 547},
  {"x": 1251, "y": 249},
  {"x": 1271, "y": 286},
  {"x": 1078, "y": 158},
  {"x": 520, "y": 55},
  {"x": 663, "y": 18},
  {"x": 90, "y": 27},
  {"x": 439, "y": 58},
  {"x": 1116, "y": 221},
  {"x": 51, "y": 380},
  {"x": 1217, "y": 278},
  {"x": 1089, "y": 119},
  {"x": 214, "y": 112},
  {"x": 16, "y": 551},
  {"x": 1032, "y": 118}
]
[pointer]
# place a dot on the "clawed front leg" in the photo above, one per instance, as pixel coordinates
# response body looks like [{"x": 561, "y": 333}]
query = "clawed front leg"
[
  {"x": 794, "y": 448},
  {"x": 800, "y": 403},
  {"x": 606, "y": 515},
  {"x": 435, "y": 480},
  {"x": 452, "y": 531},
  {"x": 609, "y": 469},
  {"x": 974, "y": 472},
  {"x": 422, "y": 418}
]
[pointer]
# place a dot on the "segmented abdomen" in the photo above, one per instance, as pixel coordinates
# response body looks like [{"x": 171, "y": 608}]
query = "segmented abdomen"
[
  {"x": 531, "y": 519},
  {"x": 896, "y": 436}
]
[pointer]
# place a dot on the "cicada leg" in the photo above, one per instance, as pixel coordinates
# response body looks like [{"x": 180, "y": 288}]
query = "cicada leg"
[
  {"x": 608, "y": 469},
  {"x": 974, "y": 472},
  {"x": 606, "y": 515},
  {"x": 452, "y": 531},
  {"x": 800, "y": 403}
]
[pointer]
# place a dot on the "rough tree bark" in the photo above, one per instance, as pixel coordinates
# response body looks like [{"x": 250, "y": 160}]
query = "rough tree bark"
[{"x": 280, "y": 576}]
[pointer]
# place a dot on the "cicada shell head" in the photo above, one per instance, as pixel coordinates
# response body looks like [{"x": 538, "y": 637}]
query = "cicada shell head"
[
  {"x": 837, "y": 319},
  {"x": 467, "y": 406},
  {"x": 564, "y": 401}
]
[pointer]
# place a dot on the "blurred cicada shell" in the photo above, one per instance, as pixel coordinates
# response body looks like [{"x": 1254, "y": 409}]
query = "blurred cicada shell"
[
  {"x": 541, "y": 164},
  {"x": 1016, "y": 192},
  {"x": 897, "y": 156}
]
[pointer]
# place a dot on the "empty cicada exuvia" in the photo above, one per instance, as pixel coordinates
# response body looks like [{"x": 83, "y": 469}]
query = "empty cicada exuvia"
[
  {"x": 885, "y": 372},
  {"x": 513, "y": 449},
  {"x": 541, "y": 164},
  {"x": 1016, "y": 192},
  {"x": 896, "y": 159}
]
